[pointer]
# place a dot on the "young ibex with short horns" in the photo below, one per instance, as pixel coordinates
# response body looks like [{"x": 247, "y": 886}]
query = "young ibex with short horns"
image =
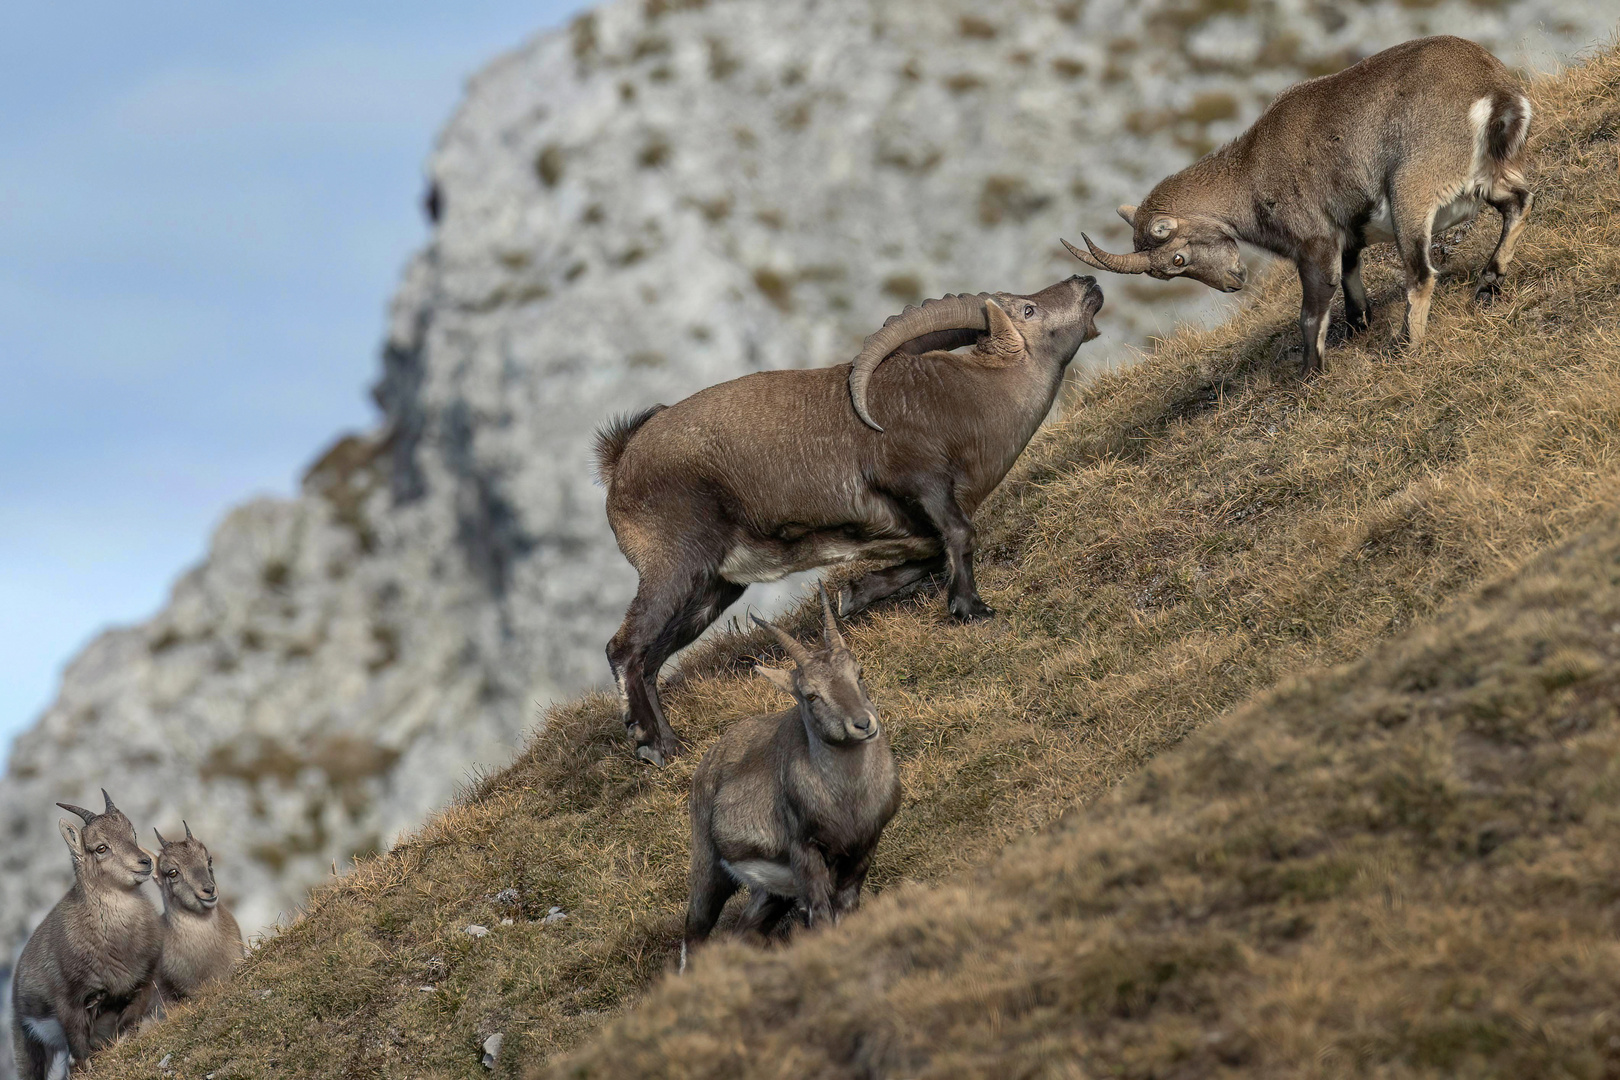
[
  {"x": 773, "y": 473},
  {"x": 201, "y": 941},
  {"x": 85, "y": 975},
  {"x": 1406, "y": 143},
  {"x": 792, "y": 804}
]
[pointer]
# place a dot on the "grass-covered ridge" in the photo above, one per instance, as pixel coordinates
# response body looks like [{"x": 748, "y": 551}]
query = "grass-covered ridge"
[{"x": 1199, "y": 528}]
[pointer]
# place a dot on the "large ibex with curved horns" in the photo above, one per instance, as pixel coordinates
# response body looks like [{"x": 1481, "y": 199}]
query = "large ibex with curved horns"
[
  {"x": 774, "y": 473},
  {"x": 1407, "y": 143},
  {"x": 85, "y": 975}
]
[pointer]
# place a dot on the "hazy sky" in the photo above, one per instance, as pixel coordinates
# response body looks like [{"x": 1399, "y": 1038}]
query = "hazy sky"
[{"x": 203, "y": 211}]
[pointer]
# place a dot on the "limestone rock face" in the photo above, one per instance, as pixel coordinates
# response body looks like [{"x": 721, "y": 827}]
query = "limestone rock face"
[{"x": 663, "y": 195}]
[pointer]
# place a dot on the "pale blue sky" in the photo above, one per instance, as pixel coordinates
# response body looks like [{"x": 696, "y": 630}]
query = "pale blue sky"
[{"x": 203, "y": 211}]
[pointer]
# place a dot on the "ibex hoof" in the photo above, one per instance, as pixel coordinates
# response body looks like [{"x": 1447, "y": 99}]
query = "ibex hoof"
[
  {"x": 970, "y": 609},
  {"x": 651, "y": 755},
  {"x": 1487, "y": 292}
]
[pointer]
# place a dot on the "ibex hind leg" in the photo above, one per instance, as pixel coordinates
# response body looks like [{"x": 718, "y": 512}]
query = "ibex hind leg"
[
  {"x": 668, "y": 613},
  {"x": 890, "y": 582},
  {"x": 764, "y": 913},
  {"x": 1514, "y": 206},
  {"x": 41, "y": 1050}
]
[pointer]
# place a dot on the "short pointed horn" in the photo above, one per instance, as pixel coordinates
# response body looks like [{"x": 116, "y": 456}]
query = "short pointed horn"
[
  {"x": 188, "y": 828},
  {"x": 1134, "y": 263},
  {"x": 829, "y": 624},
  {"x": 946, "y": 313},
  {"x": 1128, "y": 212},
  {"x": 790, "y": 644},
  {"x": 81, "y": 811},
  {"x": 106, "y": 798},
  {"x": 161, "y": 842}
]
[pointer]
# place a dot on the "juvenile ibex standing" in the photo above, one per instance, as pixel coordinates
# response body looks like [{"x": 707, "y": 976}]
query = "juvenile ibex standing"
[
  {"x": 1406, "y": 143},
  {"x": 86, "y": 973},
  {"x": 773, "y": 473},
  {"x": 792, "y": 804},
  {"x": 201, "y": 941}
]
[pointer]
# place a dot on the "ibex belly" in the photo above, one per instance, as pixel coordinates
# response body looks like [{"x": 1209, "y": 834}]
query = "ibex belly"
[
  {"x": 772, "y": 877},
  {"x": 755, "y": 560}
]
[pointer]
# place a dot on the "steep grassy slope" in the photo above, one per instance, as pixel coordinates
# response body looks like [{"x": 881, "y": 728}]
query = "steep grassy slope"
[
  {"x": 1409, "y": 865},
  {"x": 1198, "y": 528}
]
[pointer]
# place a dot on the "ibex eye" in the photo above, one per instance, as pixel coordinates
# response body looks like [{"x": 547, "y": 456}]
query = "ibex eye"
[
  {"x": 1180, "y": 260},
  {"x": 1029, "y": 311},
  {"x": 101, "y": 849}
]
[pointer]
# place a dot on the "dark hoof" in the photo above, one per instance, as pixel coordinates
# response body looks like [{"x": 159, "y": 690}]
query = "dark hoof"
[
  {"x": 652, "y": 755},
  {"x": 970, "y": 609},
  {"x": 1487, "y": 293},
  {"x": 1357, "y": 324}
]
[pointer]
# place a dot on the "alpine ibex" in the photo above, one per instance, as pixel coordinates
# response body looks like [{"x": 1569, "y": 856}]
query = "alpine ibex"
[
  {"x": 1406, "y": 143},
  {"x": 201, "y": 941},
  {"x": 86, "y": 973},
  {"x": 773, "y": 473},
  {"x": 792, "y": 804}
]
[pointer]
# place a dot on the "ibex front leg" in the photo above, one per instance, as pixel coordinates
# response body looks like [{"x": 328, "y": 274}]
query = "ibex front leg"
[
  {"x": 956, "y": 536},
  {"x": 813, "y": 881}
]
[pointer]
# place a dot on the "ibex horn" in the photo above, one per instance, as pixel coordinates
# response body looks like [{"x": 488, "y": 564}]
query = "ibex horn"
[
  {"x": 829, "y": 625},
  {"x": 161, "y": 842},
  {"x": 796, "y": 652},
  {"x": 106, "y": 798},
  {"x": 188, "y": 828},
  {"x": 946, "y": 313},
  {"x": 81, "y": 811},
  {"x": 1134, "y": 263}
]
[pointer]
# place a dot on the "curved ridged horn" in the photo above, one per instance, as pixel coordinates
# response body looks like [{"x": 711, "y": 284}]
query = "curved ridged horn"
[
  {"x": 949, "y": 312},
  {"x": 1134, "y": 263},
  {"x": 790, "y": 644},
  {"x": 106, "y": 798},
  {"x": 188, "y": 828},
  {"x": 829, "y": 625},
  {"x": 161, "y": 842},
  {"x": 81, "y": 811}
]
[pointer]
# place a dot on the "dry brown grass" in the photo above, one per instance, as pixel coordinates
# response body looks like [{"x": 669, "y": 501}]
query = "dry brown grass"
[
  {"x": 1200, "y": 527},
  {"x": 1406, "y": 866}
]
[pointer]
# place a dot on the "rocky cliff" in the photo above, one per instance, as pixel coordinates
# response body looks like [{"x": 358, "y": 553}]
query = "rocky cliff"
[{"x": 662, "y": 195}]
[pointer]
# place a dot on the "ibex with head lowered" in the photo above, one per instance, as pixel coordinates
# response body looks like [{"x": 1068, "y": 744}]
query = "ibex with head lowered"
[
  {"x": 86, "y": 973},
  {"x": 792, "y": 805},
  {"x": 773, "y": 473},
  {"x": 201, "y": 941},
  {"x": 1408, "y": 142}
]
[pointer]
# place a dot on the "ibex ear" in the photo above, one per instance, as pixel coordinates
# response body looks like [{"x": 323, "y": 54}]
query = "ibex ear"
[
  {"x": 1004, "y": 337},
  {"x": 781, "y": 678},
  {"x": 75, "y": 839},
  {"x": 1163, "y": 226},
  {"x": 1128, "y": 212}
]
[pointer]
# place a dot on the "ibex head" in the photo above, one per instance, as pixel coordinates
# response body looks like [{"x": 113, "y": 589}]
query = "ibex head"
[
  {"x": 186, "y": 873},
  {"x": 104, "y": 847},
  {"x": 1171, "y": 246},
  {"x": 1047, "y": 326},
  {"x": 826, "y": 682}
]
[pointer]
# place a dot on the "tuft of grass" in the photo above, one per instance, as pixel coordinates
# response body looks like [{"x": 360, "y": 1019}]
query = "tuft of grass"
[{"x": 1196, "y": 530}]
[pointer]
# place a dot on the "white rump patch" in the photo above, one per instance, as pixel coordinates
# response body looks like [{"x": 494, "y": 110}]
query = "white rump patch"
[{"x": 772, "y": 877}]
